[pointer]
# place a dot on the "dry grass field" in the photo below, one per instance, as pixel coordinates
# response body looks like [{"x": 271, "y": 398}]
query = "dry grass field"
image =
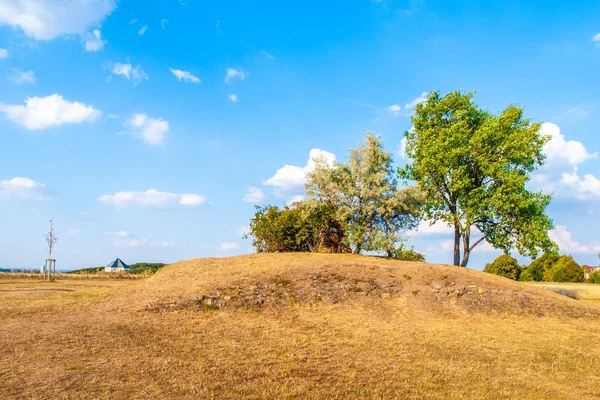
[
  {"x": 585, "y": 292},
  {"x": 297, "y": 326}
]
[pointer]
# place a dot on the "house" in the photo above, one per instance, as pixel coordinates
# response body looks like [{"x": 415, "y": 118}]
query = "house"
[
  {"x": 589, "y": 270},
  {"x": 117, "y": 266}
]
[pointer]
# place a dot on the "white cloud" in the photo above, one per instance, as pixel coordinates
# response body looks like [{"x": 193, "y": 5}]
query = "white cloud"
[
  {"x": 254, "y": 195},
  {"x": 19, "y": 77},
  {"x": 421, "y": 99},
  {"x": 395, "y": 109},
  {"x": 291, "y": 177},
  {"x": 578, "y": 112},
  {"x": 133, "y": 21},
  {"x": 160, "y": 243},
  {"x": 152, "y": 130},
  {"x": 93, "y": 41},
  {"x": 118, "y": 233},
  {"x": 563, "y": 238},
  {"x": 153, "y": 199},
  {"x": 22, "y": 188},
  {"x": 563, "y": 152},
  {"x": 233, "y": 97},
  {"x": 596, "y": 38},
  {"x": 402, "y": 148},
  {"x": 131, "y": 242},
  {"x": 127, "y": 71},
  {"x": 74, "y": 231},
  {"x": 143, "y": 30},
  {"x": 163, "y": 23},
  {"x": 3, "y": 54},
  {"x": 233, "y": 73},
  {"x": 45, "y": 19},
  {"x": 295, "y": 199},
  {"x": 447, "y": 245},
  {"x": 184, "y": 76},
  {"x": 437, "y": 228},
  {"x": 113, "y": 116},
  {"x": 268, "y": 55},
  {"x": 228, "y": 246},
  {"x": 124, "y": 239},
  {"x": 560, "y": 174},
  {"x": 50, "y": 111},
  {"x": 572, "y": 185},
  {"x": 242, "y": 230}
]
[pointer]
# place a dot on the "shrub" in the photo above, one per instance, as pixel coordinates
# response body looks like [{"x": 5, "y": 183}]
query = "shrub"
[
  {"x": 298, "y": 228},
  {"x": 535, "y": 271},
  {"x": 402, "y": 253},
  {"x": 565, "y": 270},
  {"x": 505, "y": 266},
  {"x": 594, "y": 277}
]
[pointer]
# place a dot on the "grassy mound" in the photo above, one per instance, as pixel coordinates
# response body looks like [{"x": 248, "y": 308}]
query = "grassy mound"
[{"x": 268, "y": 281}]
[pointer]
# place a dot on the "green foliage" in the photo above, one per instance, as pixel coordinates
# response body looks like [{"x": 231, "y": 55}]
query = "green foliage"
[
  {"x": 594, "y": 277},
  {"x": 564, "y": 270},
  {"x": 139, "y": 268},
  {"x": 298, "y": 228},
  {"x": 92, "y": 270},
  {"x": 538, "y": 267},
  {"x": 472, "y": 166},
  {"x": 402, "y": 253},
  {"x": 364, "y": 192},
  {"x": 505, "y": 266},
  {"x": 136, "y": 268}
]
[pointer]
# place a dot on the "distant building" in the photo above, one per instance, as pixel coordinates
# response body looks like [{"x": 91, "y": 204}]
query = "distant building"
[
  {"x": 589, "y": 270},
  {"x": 117, "y": 266}
]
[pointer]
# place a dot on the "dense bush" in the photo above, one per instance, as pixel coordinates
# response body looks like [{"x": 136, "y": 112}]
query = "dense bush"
[
  {"x": 505, "y": 266},
  {"x": 402, "y": 253},
  {"x": 564, "y": 270},
  {"x": 298, "y": 228},
  {"x": 594, "y": 277},
  {"x": 535, "y": 271}
]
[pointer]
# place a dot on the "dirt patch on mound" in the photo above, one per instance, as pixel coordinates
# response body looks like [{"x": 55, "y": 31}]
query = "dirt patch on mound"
[
  {"x": 328, "y": 288},
  {"x": 488, "y": 298}
]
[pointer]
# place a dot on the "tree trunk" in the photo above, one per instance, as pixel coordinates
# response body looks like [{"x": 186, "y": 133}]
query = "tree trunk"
[
  {"x": 467, "y": 247},
  {"x": 456, "y": 244},
  {"x": 356, "y": 249}
]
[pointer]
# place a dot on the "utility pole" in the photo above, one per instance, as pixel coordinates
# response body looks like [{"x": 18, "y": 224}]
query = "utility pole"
[{"x": 51, "y": 239}]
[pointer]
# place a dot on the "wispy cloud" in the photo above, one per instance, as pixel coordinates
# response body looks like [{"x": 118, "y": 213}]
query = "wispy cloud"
[
  {"x": 153, "y": 199},
  {"x": 143, "y": 30},
  {"x": 233, "y": 73},
  {"x": 268, "y": 55},
  {"x": 93, "y": 41},
  {"x": 151, "y": 130},
  {"x": 184, "y": 76},
  {"x": 233, "y": 97},
  {"x": 129, "y": 72},
  {"x": 19, "y": 77}
]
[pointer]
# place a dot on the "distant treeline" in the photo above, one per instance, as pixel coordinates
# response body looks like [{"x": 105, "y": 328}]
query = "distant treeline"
[{"x": 136, "y": 268}]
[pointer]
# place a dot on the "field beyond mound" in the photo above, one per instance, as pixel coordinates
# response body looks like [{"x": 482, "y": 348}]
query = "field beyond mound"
[{"x": 276, "y": 326}]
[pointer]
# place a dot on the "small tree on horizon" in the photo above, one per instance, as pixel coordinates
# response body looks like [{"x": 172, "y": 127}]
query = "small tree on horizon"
[{"x": 473, "y": 167}]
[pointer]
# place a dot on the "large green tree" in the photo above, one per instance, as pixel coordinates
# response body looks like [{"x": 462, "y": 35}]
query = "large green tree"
[
  {"x": 472, "y": 167},
  {"x": 365, "y": 193}
]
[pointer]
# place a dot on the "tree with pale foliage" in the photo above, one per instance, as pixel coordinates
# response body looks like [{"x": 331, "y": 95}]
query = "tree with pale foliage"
[
  {"x": 473, "y": 167},
  {"x": 365, "y": 193}
]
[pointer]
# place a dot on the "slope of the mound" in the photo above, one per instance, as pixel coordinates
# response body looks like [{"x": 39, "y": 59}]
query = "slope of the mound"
[{"x": 275, "y": 281}]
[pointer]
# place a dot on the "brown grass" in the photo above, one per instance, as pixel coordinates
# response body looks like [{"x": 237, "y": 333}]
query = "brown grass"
[{"x": 99, "y": 341}]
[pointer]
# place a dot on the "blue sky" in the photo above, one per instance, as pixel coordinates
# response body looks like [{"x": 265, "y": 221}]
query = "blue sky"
[{"x": 148, "y": 130}]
